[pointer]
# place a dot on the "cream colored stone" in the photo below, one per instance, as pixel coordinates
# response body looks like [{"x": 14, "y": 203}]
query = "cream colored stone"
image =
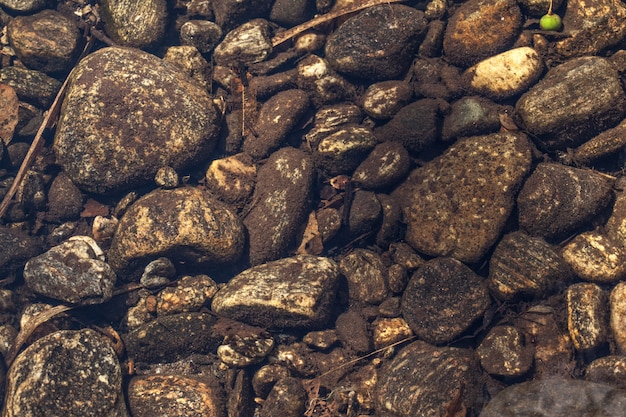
[{"x": 595, "y": 257}]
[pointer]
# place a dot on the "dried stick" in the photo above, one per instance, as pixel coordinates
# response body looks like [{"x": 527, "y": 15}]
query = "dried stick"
[{"x": 290, "y": 33}]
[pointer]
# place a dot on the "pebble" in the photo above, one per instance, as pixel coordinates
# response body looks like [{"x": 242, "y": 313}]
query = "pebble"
[
  {"x": 442, "y": 299},
  {"x": 65, "y": 201},
  {"x": 245, "y": 350},
  {"x": 326, "y": 86},
  {"x": 30, "y": 85},
  {"x": 158, "y": 273},
  {"x": 556, "y": 199},
  {"x": 46, "y": 41},
  {"x": 366, "y": 276},
  {"x": 610, "y": 370},
  {"x": 139, "y": 25},
  {"x": 378, "y": 43},
  {"x": 505, "y": 353},
  {"x": 296, "y": 292},
  {"x": 471, "y": 116},
  {"x": 457, "y": 204},
  {"x": 202, "y": 34},
  {"x": 247, "y": 44},
  {"x": 167, "y": 223},
  {"x": 572, "y": 103},
  {"x": 266, "y": 377},
  {"x": 341, "y": 151},
  {"x": 617, "y": 305},
  {"x": 280, "y": 204},
  {"x": 73, "y": 272},
  {"x": 190, "y": 294},
  {"x": 587, "y": 316},
  {"x": 24, "y": 6},
  {"x": 595, "y": 257},
  {"x": 232, "y": 179},
  {"x": 382, "y": 100},
  {"x": 352, "y": 330},
  {"x": 556, "y": 397},
  {"x": 289, "y": 13},
  {"x": 388, "y": 331},
  {"x": 18, "y": 247},
  {"x": 121, "y": 137},
  {"x": 287, "y": 398},
  {"x": 69, "y": 373},
  {"x": 365, "y": 214},
  {"x": 384, "y": 167}
]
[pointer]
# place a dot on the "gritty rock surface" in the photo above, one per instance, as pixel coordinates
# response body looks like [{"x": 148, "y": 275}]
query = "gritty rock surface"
[{"x": 135, "y": 24}]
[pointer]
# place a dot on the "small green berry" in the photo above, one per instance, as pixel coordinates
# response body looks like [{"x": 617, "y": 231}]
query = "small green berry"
[{"x": 550, "y": 21}]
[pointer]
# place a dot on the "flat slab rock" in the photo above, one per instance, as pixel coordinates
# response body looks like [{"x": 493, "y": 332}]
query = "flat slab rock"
[
  {"x": 457, "y": 204},
  {"x": 126, "y": 114},
  {"x": 295, "y": 292}
]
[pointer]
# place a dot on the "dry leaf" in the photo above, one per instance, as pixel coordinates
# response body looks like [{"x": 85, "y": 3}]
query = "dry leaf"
[
  {"x": 93, "y": 208},
  {"x": 311, "y": 240},
  {"x": 9, "y": 106}
]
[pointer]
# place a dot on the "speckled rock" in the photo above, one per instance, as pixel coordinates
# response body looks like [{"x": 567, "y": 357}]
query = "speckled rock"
[
  {"x": 291, "y": 292},
  {"x": 247, "y": 44},
  {"x": 471, "y": 116},
  {"x": 442, "y": 299},
  {"x": 175, "y": 396},
  {"x": 73, "y": 272},
  {"x": 65, "y": 201},
  {"x": 144, "y": 114},
  {"x": 595, "y": 257},
  {"x": 385, "y": 166},
  {"x": 232, "y": 179},
  {"x": 423, "y": 380},
  {"x": 617, "y": 304},
  {"x": 190, "y": 294},
  {"x": 365, "y": 273},
  {"x": 341, "y": 151},
  {"x": 365, "y": 213},
  {"x": 326, "y": 86},
  {"x": 279, "y": 205},
  {"x": 383, "y": 100},
  {"x": 522, "y": 264},
  {"x": 240, "y": 350},
  {"x": 203, "y": 34},
  {"x": 136, "y": 24},
  {"x": 504, "y": 352},
  {"x": 19, "y": 247},
  {"x": 610, "y": 370},
  {"x": 47, "y": 41},
  {"x": 185, "y": 224},
  {"x": 67, "y": 373},
  {"x": 377, "y": 43},
  {"x": 556, "y": 199},
  {"x": 287, "y": 398},
  {"x": 572, "y": 103},
  {"x": 480, "y": 29},
  {"x": 556, "y": 397},
  {"x": 30, "y": 85},
  {"x": 587, "y": 316},
  {"x": 24, "y": 6},
  {"x": 457, "y": 204}
]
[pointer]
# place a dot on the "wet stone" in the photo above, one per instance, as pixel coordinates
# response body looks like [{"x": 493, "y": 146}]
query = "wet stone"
[
  {"x": 185, "y": 224},
  {"x": 190, "y": 294},
  {"x": 384, "y": 167},
  {"x": 18, "y": 247},
  {"x": 471, "y": 116},
  {"x": 232, "y": 179},
  {"x": 68, "y": 373},
  {"x": 65, "y": 201},
  {"x": 343, "y": 149},
  {"x": 24, "y": 6},
  {"x": 480, "y": 29},
  {"x": 388, "y": 331},
  {"x": 291, "y": 12},
  {"x": 287, "y": 398},
  {"x": 266, "y": 377},
  {"x": 572, "y": 103},
  {"x": 617, "y": 305},
  {"x": 383, "y": 100},
  {"x": 73, "y": 272},
  {"x": 457, "y": 204},
  {"x": 191, "y": 61},
  {"x": 175, "y": 396},
  {"x": 556, "y": 397},
  {"x": 280, "y": 204},
  {"x": 203, "y": 34},
  {"x": 326, "y": 86},
  {"x": 556, "y": 199},
  {"x": 610, "y": 370},
  {"x": 135, "y": 24},
  {"x": 321, "y": 340},
  {"x": 442, "y": 299},
  {"x": 352, "y": 332},
  {"x": 245, "y": 350},
  {"x": 46, "y": 41},
  {"x": 428, "y": 381},
  {"x": 504, "y": 352},
  {"x": 365, "y": 273},
  {"x": 158, "y": 273},
  {"x": 247, "y": 44},
  {"x": 390, "y": 227},
  {"x": 587, "y": 316},
  {"x": 230, "y": 13},
  {"x": 527, "y": 265},
  {"x": 30, "y": 85},
  {"x": 365, "y": 213},
  {"x": 435, "y": 78},
  {"x": 142, "y": 114},
  {"x": 595, "y": 257},
  {"x": 295, "y": 292},
  {"x": 377, "y": 43}
]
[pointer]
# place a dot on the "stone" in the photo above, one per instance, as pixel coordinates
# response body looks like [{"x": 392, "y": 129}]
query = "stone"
[
  {"x": 73, "y": 272},
  {"x": 230, "y": 13},
  {"x": 365, "y": 273},
  {"x": 595, "y": 257},
  {"x": 384, "y": 167},
  {"x": 617, "y": 305},
  {"x": 572, "y": 103},
  {"x": 247, "y": 44},
  {"x": 341, "y": 151},
  {"x": 378, "y": 43},
  {"x": 471, "y": 116},
  {"x": 557, "y": 397},
  {"x": 435, "y": 78},
  {"x": 141, "y": 114},
  {"x": 191, "y": 62},
  {"x": 587, "y": 316},
  {"x": 388, "y": 331},
  {"x": 365, "y": 213},
  {"x": 18, "y": 247},
  {"x": 296, "y": 292},
  {"x": 185, "y": 224},
  {"x": 245, "y": 350},
  {"x": 609, "y": 370},
  {"x": 442, "y": 299},
  {"x": 504, "y": 352},
  {"x": 291, "y": 12},
  {"x": 65, "y": 201},
  {"x": 457, "y": 204},
  {"x": 280, "y": 204},
  {"x": 24, "y": 6},
  {"x": 190, "y": 294},
  {"x": 69, "y": 373},
  {"x": 352, "y": 330},
  {"x": 266, "y": 377},
  {"x": 382, "y": 100},
  {"x": 608, "y": 142},
  {"x": 30, "y": 85},
  {"x": 203, "y": 34},
  {"x": 557, "y": 199},
  {"x": 135, "y": 24},
  {"x": 325, "y": 85},
  {"x": 46, "y": 41},
  {"x": 287, "y": 398},
  {"x": 480, "y": 29},
  {"x": 232, "y": 179}
]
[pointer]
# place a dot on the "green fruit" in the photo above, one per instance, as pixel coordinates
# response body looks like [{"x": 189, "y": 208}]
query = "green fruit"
[{"x": 550, "y": 21}]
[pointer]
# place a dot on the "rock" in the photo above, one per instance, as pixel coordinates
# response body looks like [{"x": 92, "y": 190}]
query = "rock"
[
  {"x": 245, "y": 350},
  {"x": 247, "y": 44},
  {"x": 341, "y": 151},
  {"x": 604, "y": 144},
  {"x": 556, "y": 397},
  {"x": 388, "y": 331},
  {"x": 279, "y": 205},
  {"x": 203, "y": 34},
  {"x": 175, "y": 396},
  {"x": 291, "y": 12},
  {"x": 538, "y": 8},
  {"x": 189, "y": 59},
  {"x": 424, "y": 380},
  {"x": 166, "y": 177},
  {"x": 316, "y": 76},
  {"x": 365, "y": 273},
  {"x": 470, "y": 189},
  {"x": 383, "y": 100},
  {"x": 365, "y": 213},
  {"x": 232, "y": 179},
  {"x": 480, "y": 29},
  {"x": 23, "y": 6},
  {"x": 190, "y": 294},
  {"x": 609, "y": 370},
  {"x": 504, "y": 352},
  {"x": 572, "y": 103},
  {"x": 185, "y": 224},
  {"x": 322, "y": 339},
  {"x": 616, "y": 224},
  {"x": 505, "y": 75},
  {"x": 230, "y": 13},
  {"x": 442, "y": 299},
  {"x": 595, "y": 257},
  {"x": 65, "y": 201},
  {"x": 30, "y": 85},
  {"x": 46, "y": 41},
  {"x": 352, "y": 330},
  {"x": 287, "y": 398},
  {"x": 471, "y": 116},
  {"x": 277, "y": 118},
  {"x": 556, "y": 199},
  {"x": 18, "y": 247},
  {"x": 435, "y": 78},
  {"x": 73, "y": 272},
  {"x": 139, "y": 25},
  {"x": 266, "y": 377},
  {"x": 158, "y": 273},
  {"x": 169, "y": 338},
  {"x": 295, "y": 292},
  {"x": 390, "y": 228},
  {"x": 587, "y": 316},
  {"x": 142, "y": 114},
  {"x": 525, "y": 265},
  {"x": 617, "y": 305},
  {"x": 68, "y": 373},
  {"x": 378, "y": 43},
  {"x": 384, "y": 167}
]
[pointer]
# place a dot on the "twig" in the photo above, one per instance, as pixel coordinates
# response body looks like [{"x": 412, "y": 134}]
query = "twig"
[{"x": 290, "y": 33}]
